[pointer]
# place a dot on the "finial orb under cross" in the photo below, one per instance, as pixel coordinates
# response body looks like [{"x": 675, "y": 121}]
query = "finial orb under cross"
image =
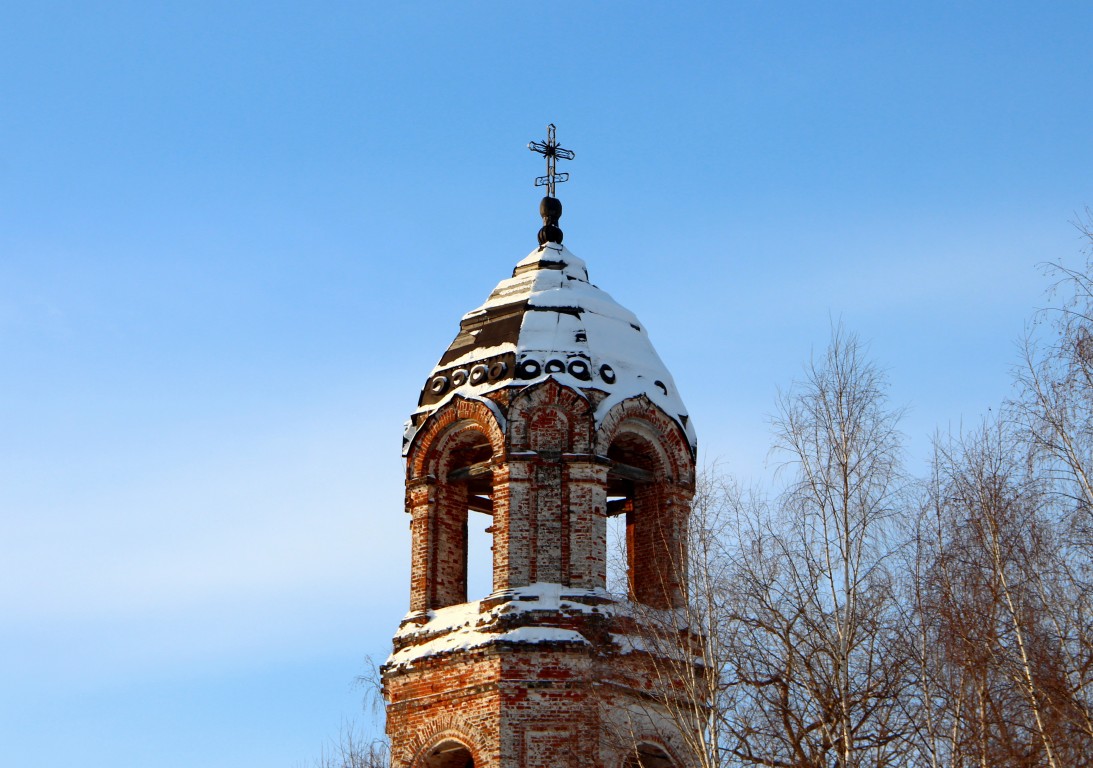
[
  {"x": 552, "y": 152},
  {"x": 550, "y": 207}
]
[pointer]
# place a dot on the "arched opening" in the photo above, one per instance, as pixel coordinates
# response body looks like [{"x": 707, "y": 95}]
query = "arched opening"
[
  {"x": 638, "y": 504},
  {"x": 648, "y": 756},
  {"x": 448, "y": 754},
  {"x": 618, "y": 570},
  {"x": 462, "y": 520}
]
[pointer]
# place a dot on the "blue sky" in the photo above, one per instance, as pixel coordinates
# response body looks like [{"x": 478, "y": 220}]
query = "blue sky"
[{"x": 234, "y": 239}]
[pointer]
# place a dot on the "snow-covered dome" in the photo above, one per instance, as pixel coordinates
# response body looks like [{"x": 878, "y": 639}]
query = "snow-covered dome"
[{"x": 547, "y": 320}]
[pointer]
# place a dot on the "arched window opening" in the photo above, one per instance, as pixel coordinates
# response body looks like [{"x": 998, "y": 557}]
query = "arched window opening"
[
  {"x": 648, "y": 756},
  {"x": 618, "y": 579},
  {"x": 448, "y": 754},
  {"x": 464, "y": 521},
  {"x": 479, "y": 549},
  {"x": 654, "y": 561}
]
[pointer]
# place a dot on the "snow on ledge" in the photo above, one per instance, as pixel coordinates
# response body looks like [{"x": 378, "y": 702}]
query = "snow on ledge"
[
  {"x": 467, "y": 638},
  {"x": 466, "y": 626},
  {"x": 540, "y": 596}
]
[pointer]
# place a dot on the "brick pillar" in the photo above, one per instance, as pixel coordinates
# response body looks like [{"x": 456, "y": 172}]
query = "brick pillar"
[
  {"x": 549, "y": 521},
  {"x": 501, "y": 526},
  {"x": 513, "y": 532},
  {"x": 586, "y": 507},
  {"x": 548, "y": 435},
  {"x": 448, "y": 527},
  {"x": 656, "y": 544},
  {"x": 419, "y": 500},
  {"x": 677, "y": 509}
]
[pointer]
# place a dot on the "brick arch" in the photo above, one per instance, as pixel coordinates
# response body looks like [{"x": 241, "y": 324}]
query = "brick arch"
[
  {"x": 439, "y": 503},
  {"x": 651, "y": 478},
  {"x": 642, "y": 437},
  {"x": 549, "y": 396},
  {"x": 628, "y": 758},
  {"x": 459, "y": 413},
  {"x": 449, "y": 730},
  {"x": 643, "y": 418}
]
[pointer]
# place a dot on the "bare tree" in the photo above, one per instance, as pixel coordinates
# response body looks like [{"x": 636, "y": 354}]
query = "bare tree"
[
  {"x": 1055, "y": 411},
  {"x": 684, "y": 649},
  {"x": 830, "y": 591},
  {"x": 997, "y": 675},
  {"x": 1056, "y": 381},
  {"x": 935, "y": 700},
  {"x": 794, "y": 602},
  {"x": 354, "y": 748}
]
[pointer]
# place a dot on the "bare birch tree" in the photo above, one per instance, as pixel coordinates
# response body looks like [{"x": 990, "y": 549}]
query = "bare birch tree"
[
  {"x": 1055, "y": 409},
  {"x": 688, "y": 649},
  {"x": 354, "y": 748},
  {"x": 1001, "y": 660},
  {"x": 794, "y": 602},
  {"x": 836, "y": 595}
]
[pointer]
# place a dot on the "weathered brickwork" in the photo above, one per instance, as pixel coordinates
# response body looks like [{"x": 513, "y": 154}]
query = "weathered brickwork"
[
  {"x": 656, "y": 536},
  {"x": 540, "y": 672}
]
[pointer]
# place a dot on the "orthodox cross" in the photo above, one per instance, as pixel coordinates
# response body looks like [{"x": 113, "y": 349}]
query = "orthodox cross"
[{"x": 552, "y": 152}]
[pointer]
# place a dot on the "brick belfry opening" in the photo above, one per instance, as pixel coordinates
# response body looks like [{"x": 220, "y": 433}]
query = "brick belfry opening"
[{"x": 550, "y": 412}]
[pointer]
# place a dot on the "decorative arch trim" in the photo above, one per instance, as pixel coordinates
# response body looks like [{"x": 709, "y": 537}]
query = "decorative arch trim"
[
  {"x": 449, "y": 729},
  {"x": 478, "y": 413},
  {"x": 627, "y": 757},
  {"x": 641, "y": 416},
  {"x": 551, "y": 394}
]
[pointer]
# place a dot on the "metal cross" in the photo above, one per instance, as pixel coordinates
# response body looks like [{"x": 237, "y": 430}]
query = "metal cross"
[{"x": 552, "y": 152}]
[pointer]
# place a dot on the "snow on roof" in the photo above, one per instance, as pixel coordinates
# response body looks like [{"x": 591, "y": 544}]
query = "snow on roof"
[{"x": 567, "y": 329}]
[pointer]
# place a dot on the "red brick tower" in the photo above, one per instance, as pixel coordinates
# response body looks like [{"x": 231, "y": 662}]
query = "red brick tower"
[{"x": 549, "y": 412}]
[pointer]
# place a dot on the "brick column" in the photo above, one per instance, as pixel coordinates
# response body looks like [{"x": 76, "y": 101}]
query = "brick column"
[
  {"x": 501, "y": 525},
  {"x": 448, "y": 528},
  {"x": 586, "y": 507},
  {"x": 550, "y": 520},
  {"x": 419, "y": 499},
  {"x": 513, "y": 530},
  {"x": 657, "y": 544}
]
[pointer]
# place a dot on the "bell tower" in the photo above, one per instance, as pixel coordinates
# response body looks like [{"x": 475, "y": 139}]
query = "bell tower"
[{"x": 550, "y": 412}]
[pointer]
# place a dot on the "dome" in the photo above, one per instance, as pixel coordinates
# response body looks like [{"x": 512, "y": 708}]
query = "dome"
[{"x": 547, "y": 321}]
